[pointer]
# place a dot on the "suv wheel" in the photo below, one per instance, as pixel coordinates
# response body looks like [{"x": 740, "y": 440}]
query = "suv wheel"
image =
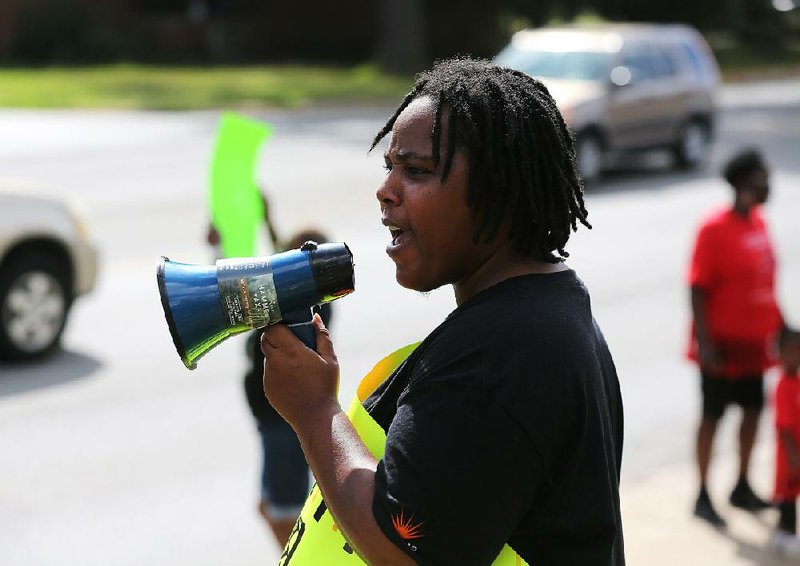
[
  {"x": 589, "y": 151},
  {"x": 693, "y": 146},
  {"x": 34, "y": 301}
]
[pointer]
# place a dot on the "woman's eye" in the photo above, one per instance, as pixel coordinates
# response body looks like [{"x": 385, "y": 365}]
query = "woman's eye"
[
  {"x": 407, "y": 169},
  {"x": 416, "y": 170}
]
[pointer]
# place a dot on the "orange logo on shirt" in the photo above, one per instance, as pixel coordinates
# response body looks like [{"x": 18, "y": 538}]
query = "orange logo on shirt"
[{"x": 405, "y": 527}]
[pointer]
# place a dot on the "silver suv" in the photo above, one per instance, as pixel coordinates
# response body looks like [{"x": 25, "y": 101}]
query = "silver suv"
[
  {"x": 46, "y": 261},
  {"x": 624, "y": 87}
]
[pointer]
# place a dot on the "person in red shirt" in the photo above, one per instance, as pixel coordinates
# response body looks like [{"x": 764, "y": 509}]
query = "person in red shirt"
[
  {"x": 735, "y": 319},
  {"x": 787, "y": 453}
]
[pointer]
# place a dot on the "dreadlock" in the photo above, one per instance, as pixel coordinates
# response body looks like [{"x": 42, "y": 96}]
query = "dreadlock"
[{"x": 520, "y": 152}]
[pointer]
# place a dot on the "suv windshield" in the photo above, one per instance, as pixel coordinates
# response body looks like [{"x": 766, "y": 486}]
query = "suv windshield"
[{"x": 574, "y": 65}]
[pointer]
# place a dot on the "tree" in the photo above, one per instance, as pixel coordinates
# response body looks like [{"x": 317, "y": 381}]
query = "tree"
[{"x": 402, "y": 43}]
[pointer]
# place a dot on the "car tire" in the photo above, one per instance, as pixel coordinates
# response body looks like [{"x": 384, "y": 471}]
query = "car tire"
[
  {"x": 590, "y": 156},
  {"x": 693, "y": 145},
  {"x": 35, "y": 298}
]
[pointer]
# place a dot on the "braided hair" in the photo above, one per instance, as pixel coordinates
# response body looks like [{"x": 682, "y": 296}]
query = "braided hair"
[{"x": 521, "y": 155}]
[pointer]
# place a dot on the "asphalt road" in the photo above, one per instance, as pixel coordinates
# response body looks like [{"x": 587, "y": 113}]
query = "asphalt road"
[{"x": 111, "y": 452}]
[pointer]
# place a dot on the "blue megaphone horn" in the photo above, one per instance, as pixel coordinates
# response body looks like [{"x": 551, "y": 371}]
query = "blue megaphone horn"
[{"x": 206, "y": 304}]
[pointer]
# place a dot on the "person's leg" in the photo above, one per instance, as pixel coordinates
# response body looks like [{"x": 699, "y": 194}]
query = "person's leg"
[
  {"x": 703, "y": 507},
  {"x": 705, "y": 443},
  {"x": 747, "y": 438},
  {"x": 713, "y": 409},
  {"x": 783, "y": 540},
  {"x": 749, "y": 394},
  {"x": 280, "y": 527},
  {"x": 286, "y": 482},
  {"x": 787, "y": 519}
]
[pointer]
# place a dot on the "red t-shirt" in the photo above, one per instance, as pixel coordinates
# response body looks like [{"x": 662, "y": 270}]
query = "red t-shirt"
[
  {"x": 734, "y": 263},
  {"x": 787, "y": 418}
]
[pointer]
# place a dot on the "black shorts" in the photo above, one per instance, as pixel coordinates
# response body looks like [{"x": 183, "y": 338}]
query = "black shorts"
[
  {"x": 719, "y": 392},
  {"x": 285, "y": 480}
]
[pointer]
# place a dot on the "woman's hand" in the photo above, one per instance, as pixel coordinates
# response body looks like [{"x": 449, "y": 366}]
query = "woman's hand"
[{"x": 298, "y": 381}]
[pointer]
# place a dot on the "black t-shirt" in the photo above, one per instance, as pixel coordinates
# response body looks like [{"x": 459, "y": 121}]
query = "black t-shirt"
[{"x": 505, "y": 426}]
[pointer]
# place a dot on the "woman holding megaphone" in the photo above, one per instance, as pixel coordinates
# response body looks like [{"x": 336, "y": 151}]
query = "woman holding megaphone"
[{"x": 498, "y": 438}]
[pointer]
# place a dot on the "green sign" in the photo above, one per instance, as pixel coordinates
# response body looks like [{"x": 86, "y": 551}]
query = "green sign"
[{"x": 237, "y": 208}]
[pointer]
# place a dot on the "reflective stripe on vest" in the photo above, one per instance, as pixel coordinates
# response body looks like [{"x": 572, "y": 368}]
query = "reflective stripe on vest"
[{"x": 316, "y": 539}]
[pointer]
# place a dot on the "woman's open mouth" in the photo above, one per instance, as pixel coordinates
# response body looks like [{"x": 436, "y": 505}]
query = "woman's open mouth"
[
  {"x": 399, "y": 237},
  {"x": 396, "y": 233}
]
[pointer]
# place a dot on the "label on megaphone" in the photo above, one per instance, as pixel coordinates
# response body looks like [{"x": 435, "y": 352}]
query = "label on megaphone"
[{"x": 247, "y": 292}]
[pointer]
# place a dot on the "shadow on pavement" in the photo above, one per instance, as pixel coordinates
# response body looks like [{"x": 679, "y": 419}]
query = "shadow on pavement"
[
  {"x": 60, "y": 368},
  {"x": 648, "y": 172},
  {"x": 758, "y": 555}
]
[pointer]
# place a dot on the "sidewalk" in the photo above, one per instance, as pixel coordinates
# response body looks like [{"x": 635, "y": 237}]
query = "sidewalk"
[{"x": 660, "y": 529}]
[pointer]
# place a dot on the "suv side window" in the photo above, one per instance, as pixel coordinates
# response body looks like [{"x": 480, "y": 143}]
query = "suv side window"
[
  {"x": 637, "y": 61},
  {"x": 695, "y": 62},
  {"x": 647, "y": 61},
  {"x": 661, "y": 63}
]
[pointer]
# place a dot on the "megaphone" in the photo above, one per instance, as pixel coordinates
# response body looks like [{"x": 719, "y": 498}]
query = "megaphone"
[{"x": 206, "y": 304}]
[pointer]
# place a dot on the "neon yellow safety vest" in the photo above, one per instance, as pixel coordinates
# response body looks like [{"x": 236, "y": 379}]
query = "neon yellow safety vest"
[{"x": 316, "y": 539}]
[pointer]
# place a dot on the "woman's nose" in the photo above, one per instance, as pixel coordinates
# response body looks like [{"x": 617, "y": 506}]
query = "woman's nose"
[{"x": 388, "y": 192}]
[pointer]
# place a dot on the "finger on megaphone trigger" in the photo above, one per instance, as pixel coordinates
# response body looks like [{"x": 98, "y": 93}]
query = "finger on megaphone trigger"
[
  {"x": 316, "y": 320},
  {"x": 324, "y": 342},
  {"x": 269, "y": 338}
]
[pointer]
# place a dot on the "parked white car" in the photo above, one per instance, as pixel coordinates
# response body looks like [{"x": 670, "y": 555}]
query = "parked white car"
[{"x": 46, "y": 261}]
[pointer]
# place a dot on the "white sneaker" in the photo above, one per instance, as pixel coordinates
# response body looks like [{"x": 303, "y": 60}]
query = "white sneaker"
[{"x": 784, "y": 544}]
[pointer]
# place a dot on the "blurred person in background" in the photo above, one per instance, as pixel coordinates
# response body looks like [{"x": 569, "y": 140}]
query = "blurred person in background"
[
  {"x": 285, "y": 477},
  {"x": 498, "y": 438},
  {"x": 787, "y": 454},
  {"x": 735, "y": 321}
]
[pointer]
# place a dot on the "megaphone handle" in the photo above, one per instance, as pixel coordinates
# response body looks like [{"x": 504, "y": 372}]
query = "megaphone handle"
[{"x": 299, "y": 322}]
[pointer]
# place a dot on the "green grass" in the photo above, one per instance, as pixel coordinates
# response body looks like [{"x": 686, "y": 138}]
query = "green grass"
[
  {"x": 172, "y": 88},
  {"x": 126, "y": 86},
  {"x": 739, "y": 62}
]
